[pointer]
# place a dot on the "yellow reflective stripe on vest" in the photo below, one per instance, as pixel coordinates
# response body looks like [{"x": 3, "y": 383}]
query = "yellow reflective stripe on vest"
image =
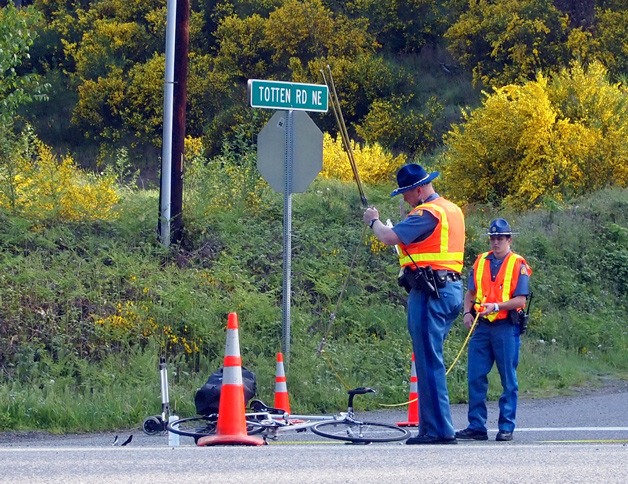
[
  {"x": 505, "y": 296},
  {"x": 443, "y": 255},
  {"x": 428, "y": 256},
  {"x": 479, "y": 292},
  {"x": 508, "y": 278},
  {"x": 444, "y": 230}
]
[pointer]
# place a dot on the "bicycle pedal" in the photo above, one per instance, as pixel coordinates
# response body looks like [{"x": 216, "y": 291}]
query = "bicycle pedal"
[{"x": 301, "y": 430}]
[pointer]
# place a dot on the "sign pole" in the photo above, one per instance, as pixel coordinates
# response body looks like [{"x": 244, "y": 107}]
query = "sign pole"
[{"x": 287, "y": 234}]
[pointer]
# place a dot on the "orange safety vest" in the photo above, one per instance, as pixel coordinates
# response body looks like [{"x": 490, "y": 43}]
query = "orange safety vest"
[
  {"x": 443, "y": 249},
  {"x": 501, "y": 289}
]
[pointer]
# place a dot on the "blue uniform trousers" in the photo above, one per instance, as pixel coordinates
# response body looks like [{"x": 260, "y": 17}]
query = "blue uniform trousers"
[
  {"x": 429, "y": 321},
  {"x": 499, "y": 344}
]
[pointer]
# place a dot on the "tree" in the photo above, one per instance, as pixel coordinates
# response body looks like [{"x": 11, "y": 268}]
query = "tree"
[
  {"x": 507, "y": 41},
  {"x": 17, "y": 33},
  {"x": 555, "y": 137},
  {"x": 401, "y": 128},
  {"x": 404, "y": 26},
  {"x": 294, "y": 43},
  {"x": 612, "y": 34},
  {"x": 242, "y": 53},
  {"x": 116, "y": 45},
  {"x": 581, "y": 12},
  {"x": 17, "y": 88},
  {"x": 308, "y": 30}
]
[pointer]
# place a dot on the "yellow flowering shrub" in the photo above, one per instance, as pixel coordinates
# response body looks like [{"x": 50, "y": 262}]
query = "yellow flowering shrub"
[
  {"x": 45, "y": 187},
  {"x": 131, "y": 320},
  {"x": 374, "y": 164},
  {"x": 193, "y": 147},
  {"x": 375, "y": 246},
  {"x": 127, "y": 319},
  {"x": 552, "y": 138}
]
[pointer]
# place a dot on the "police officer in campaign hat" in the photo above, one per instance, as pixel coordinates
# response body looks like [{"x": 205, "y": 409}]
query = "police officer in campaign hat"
[
  {"x": 498, "y": 286},
  {"x": 431, "y": 247}
]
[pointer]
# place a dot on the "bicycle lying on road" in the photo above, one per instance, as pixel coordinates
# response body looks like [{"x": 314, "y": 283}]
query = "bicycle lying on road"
[{"x": 269, "y": 422}]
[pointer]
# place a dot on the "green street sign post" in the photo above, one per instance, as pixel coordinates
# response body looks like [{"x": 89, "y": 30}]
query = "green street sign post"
[
  {"x": 288, "y": 95},
  {"x": 289, "y": 142}
]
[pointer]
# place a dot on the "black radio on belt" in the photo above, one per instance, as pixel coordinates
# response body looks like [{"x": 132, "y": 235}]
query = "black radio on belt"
[
  {"x": 524, "y": 315},
  {"x": 421, "y": 278}
]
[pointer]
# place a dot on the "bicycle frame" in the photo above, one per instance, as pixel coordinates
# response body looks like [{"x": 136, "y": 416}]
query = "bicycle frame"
[
  {"x": 275, "y": 424},
  {"x": 270, "y": 422},
  {"x": 341, "y": 426}
]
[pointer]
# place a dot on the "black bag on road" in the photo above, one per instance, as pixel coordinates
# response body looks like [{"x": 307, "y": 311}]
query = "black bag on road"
[{"x": 207, "y": 398}]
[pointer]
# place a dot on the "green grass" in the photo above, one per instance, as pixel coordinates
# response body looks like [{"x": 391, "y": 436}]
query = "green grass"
[{"x": 61, "y": 370}]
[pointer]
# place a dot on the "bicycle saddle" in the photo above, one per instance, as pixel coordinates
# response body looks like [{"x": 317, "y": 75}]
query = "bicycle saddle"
[
  {"x": 360, "y": 391},
  {"x": 259, "y": 406}
]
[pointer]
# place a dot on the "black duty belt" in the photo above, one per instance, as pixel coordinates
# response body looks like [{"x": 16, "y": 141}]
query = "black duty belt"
[{"x": 451, "y": 276}]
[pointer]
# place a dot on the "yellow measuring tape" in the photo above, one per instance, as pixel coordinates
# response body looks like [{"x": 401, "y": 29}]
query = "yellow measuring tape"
[{"x": 464, "y": 344}]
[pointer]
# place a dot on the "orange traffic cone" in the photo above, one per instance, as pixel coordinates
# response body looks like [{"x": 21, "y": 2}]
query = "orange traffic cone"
[
  {"x": 281, "y": 389},
  {"x": 413, "y": 400},
  {"x": 231, "y": 425}
]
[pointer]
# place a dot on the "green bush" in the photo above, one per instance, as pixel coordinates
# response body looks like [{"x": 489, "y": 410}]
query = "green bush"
[{"x": 88, "y": 308}]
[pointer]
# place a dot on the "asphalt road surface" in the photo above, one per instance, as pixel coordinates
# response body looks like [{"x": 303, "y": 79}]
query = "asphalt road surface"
[{"x": 580, "y": 438}]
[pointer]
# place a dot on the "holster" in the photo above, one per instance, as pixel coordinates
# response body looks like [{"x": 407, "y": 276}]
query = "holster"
[
  {"x": 404, "y": 281},
  {"x": 421, "y": 278},
  {"x": 519, "y": 318}
]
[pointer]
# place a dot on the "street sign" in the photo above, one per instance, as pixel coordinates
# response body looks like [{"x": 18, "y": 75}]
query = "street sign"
[
  {"x": 288, "y": 95},
  {"x": 306, "y": 157}
]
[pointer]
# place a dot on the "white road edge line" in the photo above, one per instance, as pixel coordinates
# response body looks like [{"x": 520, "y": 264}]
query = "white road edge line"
[{"x": 569, "y": 429}]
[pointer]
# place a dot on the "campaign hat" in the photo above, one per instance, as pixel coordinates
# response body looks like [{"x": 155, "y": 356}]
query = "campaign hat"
[{"x": 410, "y": 176}]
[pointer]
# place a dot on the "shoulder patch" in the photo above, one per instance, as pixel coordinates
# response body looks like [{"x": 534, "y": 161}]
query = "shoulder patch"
[
  {"x": 419, "y": 213},
  {"x": 524, "y": 270}
]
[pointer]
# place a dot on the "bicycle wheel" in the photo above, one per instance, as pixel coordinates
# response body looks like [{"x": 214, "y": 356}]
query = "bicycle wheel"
[
  {"x": 360, "y": 432},
  {"x": 201, "y": 426},
  {"x": 194, "y": 426}
]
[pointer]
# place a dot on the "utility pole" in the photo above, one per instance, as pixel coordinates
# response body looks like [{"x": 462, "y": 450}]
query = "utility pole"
[
  {"x": 175, "y": 100},
  {"x": 178, "y": 124}
]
